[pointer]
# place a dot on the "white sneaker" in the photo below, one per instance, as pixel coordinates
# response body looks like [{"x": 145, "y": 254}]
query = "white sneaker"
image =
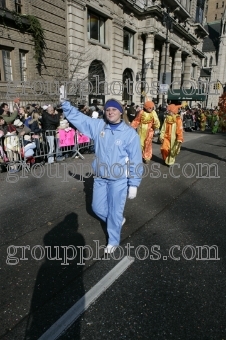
[
  {"x": 110, "y": 249},
  {"x": 123, "y": 221}
]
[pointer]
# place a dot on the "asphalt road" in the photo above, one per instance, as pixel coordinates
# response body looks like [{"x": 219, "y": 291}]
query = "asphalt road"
[{"x": 158, "y": 298}]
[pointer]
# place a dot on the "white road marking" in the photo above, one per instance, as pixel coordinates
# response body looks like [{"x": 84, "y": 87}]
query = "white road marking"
[{"x": 66, "y": 320}]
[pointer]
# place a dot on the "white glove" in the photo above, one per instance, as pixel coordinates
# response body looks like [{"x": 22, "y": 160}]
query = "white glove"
[
  {"x": 62, "y": 100},
  {"x": 132, "y": 192},
  {"x": 62, "y": 94}
]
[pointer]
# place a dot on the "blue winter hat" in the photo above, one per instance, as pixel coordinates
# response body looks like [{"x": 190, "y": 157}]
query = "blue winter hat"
[{"x": 113, "y": 103}]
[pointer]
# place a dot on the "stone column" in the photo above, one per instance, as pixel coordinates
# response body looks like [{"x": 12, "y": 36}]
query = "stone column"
[
  {"x": 164, "y": 63},
  {"x": 155, "y": 73},
  {"x": 171, "y": 68},
  {"x": 139, "y": 53},
  {"x": 156, "y": 65},
  {"x": 187, "y": 72},
  {"x": 164, "y": 67},
  {"x": 117, "y": 50},
  {"x": 139, "y": 69},
  {"x": 177, "y": 67},
  {"x": 149, "y": 57}
]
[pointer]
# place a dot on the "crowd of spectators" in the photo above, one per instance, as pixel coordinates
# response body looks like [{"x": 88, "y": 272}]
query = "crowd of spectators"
[
  {"x": 203, "y": 119},
  {"x": 34, "y": 130}
]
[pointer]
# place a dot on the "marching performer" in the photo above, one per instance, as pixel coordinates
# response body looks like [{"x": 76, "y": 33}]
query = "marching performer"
[
  {"x": 171, "y": 135},
  {"x": 146, "y": 121},
  {"x": 117, "y": 164}
]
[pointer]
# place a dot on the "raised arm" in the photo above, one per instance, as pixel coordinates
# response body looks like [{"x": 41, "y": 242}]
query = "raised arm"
[{"x": 83, "y": 123}]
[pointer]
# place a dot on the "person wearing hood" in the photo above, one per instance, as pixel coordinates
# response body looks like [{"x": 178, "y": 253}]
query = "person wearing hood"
[
  {"x": 28, "y": 150},
  {"x": 21, "y": 128},
  {"x": 29, "y": 146},
  {"x": 171, "y": 135},
  {"x": 147, "y": 121},
  {"x": 116, "y": 166}
]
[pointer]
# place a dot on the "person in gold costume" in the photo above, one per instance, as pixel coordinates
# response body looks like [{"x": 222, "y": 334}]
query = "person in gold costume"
[
  {"x": 202, "y": 121},
  {"x": 171, "y": 135},
  {"x": 147, "y": 121}
]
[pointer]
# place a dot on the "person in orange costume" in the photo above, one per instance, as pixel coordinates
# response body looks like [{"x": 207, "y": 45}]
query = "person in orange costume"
[
  {"x": 171, "y": 134},
  {"x": 147, "y": 121}
]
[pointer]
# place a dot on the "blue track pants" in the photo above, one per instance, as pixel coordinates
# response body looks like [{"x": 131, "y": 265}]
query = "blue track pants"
[{"x": 109, "y": 198}]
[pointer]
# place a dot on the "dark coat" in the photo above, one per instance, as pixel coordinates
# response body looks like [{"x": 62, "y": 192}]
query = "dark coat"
[
  {"x": 50, "y": 122},
  {"x": 33, "y": 125},
  {"x": 131, "y": 113}
]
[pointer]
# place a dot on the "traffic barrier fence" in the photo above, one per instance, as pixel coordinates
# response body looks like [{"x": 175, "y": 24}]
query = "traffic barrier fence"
[{"x": 48, "y": 146}]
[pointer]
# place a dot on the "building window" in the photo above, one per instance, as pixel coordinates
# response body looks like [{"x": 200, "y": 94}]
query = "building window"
[
  {"x": 6, "y": 73},
  {"x": 126, "y": 77},
  {"x": 2, "y": 3},
  {"x": 199, "y": 11},
  {"x": 205, "y": 62},
  {"x": 215, "y": 16},
  {"x": 23, "y": 66},
  {"x": 217, "y": 5},
  {"x": 96, "y": 27},
  {"x": 211, "y": 62},
  {"x": 128, "y": 41},
  {"x": 18, "y": 6},
  {"x": 96, "y": 69}
]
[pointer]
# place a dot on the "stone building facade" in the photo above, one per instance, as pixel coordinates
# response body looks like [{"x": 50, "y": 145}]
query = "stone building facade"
[
  {"x": 215, "y": 10},
  {"x": 128, "y": 39},
  {"x": 130, "y": 46},
  {"x": 213, "y": 70},
  {"x": 17, "y": 63},
  {"x": 213, "y": 65}
]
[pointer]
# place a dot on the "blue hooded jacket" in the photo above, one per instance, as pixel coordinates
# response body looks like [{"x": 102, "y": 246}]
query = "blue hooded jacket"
[{"x": 118, "y": 152}]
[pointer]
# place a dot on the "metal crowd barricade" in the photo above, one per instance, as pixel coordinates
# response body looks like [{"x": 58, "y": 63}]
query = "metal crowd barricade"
[
  {"x": 48, "y": 146},
  {"x": 23, "y": 151},
  {"x": 82, "y": 147}
]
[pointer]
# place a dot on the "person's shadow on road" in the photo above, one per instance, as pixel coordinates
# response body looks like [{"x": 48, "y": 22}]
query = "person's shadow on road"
[{"x": 59, "y": 282}]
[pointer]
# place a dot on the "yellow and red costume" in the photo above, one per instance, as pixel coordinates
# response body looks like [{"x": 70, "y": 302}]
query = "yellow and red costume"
[
  {"x": 147, "y": 121},
  {"x": 202, "y": 121},
  {"x": 171, "y": 135}
]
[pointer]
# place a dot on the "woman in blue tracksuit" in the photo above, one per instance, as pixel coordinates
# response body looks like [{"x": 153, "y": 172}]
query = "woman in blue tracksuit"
[{"x": 117, "y": 167}]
